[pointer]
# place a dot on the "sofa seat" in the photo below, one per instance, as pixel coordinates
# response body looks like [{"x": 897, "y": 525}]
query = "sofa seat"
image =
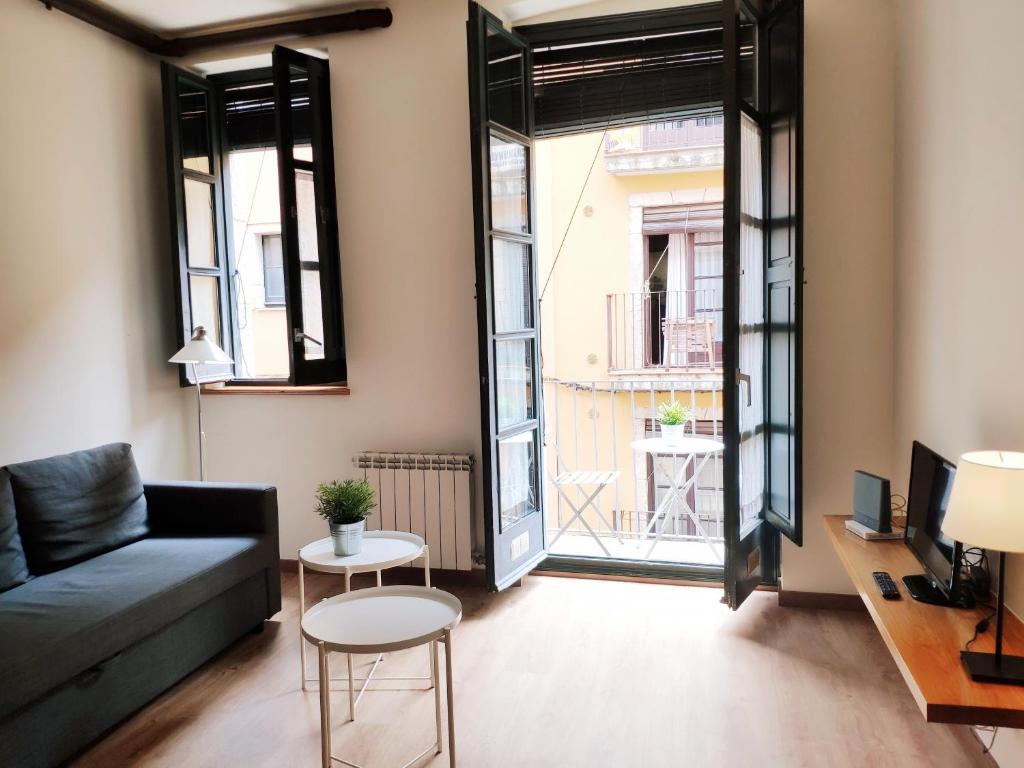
[{"x": 63, "y": 624}]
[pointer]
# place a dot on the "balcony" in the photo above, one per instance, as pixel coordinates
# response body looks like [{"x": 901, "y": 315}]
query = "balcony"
[
  {"x": 666, "y": 147},
  {"x": 665, "y": 333},
  {"x": 591, "y": 429}
]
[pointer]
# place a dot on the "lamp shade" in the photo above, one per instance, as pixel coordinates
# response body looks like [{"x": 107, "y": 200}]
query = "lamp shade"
[
  {"x": 986, "y": 507},
  {"x": 200, "y": 349}
]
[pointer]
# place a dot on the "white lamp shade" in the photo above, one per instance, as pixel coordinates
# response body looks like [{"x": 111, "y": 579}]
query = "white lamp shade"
[
  {"x": 986, "y": 507},
  {"x": 200, "y": 350}
]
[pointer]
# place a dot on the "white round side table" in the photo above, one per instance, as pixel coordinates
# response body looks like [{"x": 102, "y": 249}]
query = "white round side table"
[
  {"x": 379, "y": 620},
  {"x": 381, "y": 550}
]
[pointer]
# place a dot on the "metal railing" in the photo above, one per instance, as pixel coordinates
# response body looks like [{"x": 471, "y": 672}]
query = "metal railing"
[
  {"x": 665, "y": 330},
  {"x": 667, "y": 135},
  {"x": 591, "y": 427}
]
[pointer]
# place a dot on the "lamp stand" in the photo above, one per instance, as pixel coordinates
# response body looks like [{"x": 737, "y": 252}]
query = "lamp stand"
[
  {"x": 995, "y": 667},
  {"x": 202, "y": 434}
]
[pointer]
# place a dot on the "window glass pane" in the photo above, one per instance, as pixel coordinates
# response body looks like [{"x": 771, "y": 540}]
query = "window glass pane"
[
  {"x": 301, "y": 125},
  {"x": 505, "y": 82},
  {"x": 199, "y": 227},
  {"x": 204, "y": 294},
  {"x": 748, "y": 60},
  {"x": 513, "y": 360},
  {"x": 509, "y": 208},
  {"x": 258, "y": 280},
  {"x": 273, "y": 270},
  {"x": 312, "y": 315},
  {"x": 512, "y": 286},
  {"x": 305, "y": 205},
  {"x": 194, "y": 124},
  {"x": 517, "y": 478}
]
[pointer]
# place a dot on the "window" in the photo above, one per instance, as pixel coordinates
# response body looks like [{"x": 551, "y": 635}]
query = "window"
[
  {"x": 273, "y": 271},
  {"x": 251, "y": 168}
]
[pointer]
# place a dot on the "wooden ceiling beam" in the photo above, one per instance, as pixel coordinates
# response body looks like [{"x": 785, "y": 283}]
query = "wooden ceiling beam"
[{"x": 115, "y": 24}]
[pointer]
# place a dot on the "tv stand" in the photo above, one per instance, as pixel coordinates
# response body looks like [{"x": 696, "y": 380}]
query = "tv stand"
[{"x": 924, "y": 590}]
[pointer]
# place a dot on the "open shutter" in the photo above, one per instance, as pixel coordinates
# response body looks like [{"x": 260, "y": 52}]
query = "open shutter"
[
  {"x": 507, "y": 313},
  {"x": 783, "y": 54},
  {"x": 199, "y": 250},
  {"x": 762, "y": 258},
  {"x": 309, "y": 226}
]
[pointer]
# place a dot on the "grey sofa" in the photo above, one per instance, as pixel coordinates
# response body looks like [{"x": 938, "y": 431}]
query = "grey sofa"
[{"x": 114, "y": 590}]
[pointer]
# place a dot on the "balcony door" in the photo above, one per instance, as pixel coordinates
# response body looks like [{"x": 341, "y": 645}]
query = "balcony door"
[
  {"x": 763, "y": 59},
  {"x": 507, "y": 311}
]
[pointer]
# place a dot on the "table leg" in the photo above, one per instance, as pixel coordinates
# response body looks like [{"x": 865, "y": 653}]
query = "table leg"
[
  {"x": 437, "y": 692},
  {"x": 325, "y": 707},
  {"x": 378, "y": 578},
  {"x": 450, "y": 696},
  {"x": 351, "y": 691},
  {"x": 302, "y": 610},
  {"x": 348, "y": 580}
]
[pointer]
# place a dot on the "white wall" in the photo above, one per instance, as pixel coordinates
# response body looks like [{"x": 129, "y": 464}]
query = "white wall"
[
  {"x": 401, "y": 119},
  {"x": 848, "y": 221},
  {"x": 959, "y": 261},
  {"x": 84, "y": 271}
]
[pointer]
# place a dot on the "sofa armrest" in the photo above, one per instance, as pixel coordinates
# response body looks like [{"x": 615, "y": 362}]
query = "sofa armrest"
[{"x": 211, "y": 509}]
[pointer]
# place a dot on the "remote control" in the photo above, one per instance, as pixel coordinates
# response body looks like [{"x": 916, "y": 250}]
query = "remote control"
[{"x": 886, "y": 585}]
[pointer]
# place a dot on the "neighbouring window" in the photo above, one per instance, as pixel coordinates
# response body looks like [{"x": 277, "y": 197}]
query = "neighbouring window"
[{"x": 255, "y": 229}]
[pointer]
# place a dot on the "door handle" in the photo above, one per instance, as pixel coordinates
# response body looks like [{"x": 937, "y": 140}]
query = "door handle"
[
  {"x": 744, "y": 378},
  {"x": 299, "y": 335}
]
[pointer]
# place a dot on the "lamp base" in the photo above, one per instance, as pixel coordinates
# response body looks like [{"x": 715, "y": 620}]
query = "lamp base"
[{"x": 983, "y": 668}]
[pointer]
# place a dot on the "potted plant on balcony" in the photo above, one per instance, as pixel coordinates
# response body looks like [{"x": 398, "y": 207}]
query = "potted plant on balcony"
[
  {"x": 345, "y": 506},
  {"x": 674, "y": 417}
]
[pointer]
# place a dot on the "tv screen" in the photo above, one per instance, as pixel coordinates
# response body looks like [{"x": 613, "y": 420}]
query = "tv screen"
[{"x": 931, "y": 481}]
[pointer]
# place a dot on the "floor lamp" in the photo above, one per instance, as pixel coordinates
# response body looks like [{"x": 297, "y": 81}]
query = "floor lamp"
[
  {"x": 986, "y": 509},
  {"x": 199, "y": 351}
]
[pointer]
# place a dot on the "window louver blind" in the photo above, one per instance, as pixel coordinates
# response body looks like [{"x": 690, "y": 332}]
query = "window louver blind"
[
  {"x": 249, "y": 113},
  {"x": 703, "y": 217},
  {"x": 634, "y": 77}
]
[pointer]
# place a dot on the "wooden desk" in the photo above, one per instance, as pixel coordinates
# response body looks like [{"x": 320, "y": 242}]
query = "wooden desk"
[{"x": 925, "y": 640}]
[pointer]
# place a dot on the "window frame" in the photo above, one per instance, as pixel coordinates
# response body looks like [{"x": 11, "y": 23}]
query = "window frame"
[{"x": 281, "y": 302}]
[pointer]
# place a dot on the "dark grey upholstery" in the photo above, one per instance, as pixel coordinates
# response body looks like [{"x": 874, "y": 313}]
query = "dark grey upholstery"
[
  {"x": 81, "y": 616},
  {"x": 78, "y": 505},
  {"x": 84, "y": 646},
  {"x": 13, "y": 569}
]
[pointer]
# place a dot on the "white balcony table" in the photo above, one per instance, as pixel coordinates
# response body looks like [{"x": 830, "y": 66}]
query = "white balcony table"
[
  {"x": 378, "y": 620},
  {"x": 696, "y": 452},
  {"x": 381, "y": 550}
]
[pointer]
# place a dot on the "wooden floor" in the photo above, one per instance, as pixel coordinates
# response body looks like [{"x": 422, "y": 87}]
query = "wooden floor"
[{"x": 565, "y": 673}]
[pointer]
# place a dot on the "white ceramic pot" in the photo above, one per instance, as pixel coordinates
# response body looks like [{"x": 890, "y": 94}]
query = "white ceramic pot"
[
  {"x": 673, "y": 433},
  {"x": 347, "y": 538}
]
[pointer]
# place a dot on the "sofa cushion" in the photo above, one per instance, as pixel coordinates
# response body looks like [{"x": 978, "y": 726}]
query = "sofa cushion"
[
  {"x": 13, "y": 570},
  {"x": 78, "y": 505},
  {"x": 61, "y": 624}
]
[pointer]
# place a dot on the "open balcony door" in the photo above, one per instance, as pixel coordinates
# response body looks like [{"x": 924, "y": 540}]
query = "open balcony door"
[
  {"x": 501, "y": 131},
  {"x": 763, "y": 51}
]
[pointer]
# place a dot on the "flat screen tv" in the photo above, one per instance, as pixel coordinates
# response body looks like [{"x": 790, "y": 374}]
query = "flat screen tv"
[{"x": 931, "y": 482}]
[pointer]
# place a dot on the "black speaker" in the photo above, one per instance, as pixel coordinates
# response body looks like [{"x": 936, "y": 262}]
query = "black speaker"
[{"x": 871, "y": 502}]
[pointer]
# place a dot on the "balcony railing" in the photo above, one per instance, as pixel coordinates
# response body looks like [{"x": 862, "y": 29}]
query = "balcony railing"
[
  {"x": 591, "y": 427},
  {"x": 666, "y": 331},
  {"x": 667, "y": 135}
]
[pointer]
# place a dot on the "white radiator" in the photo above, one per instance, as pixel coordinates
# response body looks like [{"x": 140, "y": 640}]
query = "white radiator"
[{"x": 426, "y": 494}]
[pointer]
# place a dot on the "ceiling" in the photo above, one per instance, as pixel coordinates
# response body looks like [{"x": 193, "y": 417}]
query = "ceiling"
[{"x": 177, "y": 17}]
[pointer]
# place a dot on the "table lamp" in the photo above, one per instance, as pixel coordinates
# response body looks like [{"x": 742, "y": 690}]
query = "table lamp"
[
  {"x": 986, "y": 509},
  {"x": 200, "y": 350}
]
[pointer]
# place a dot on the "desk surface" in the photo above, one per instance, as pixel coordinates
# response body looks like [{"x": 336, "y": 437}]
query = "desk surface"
[{"x": 925, "y": 640}]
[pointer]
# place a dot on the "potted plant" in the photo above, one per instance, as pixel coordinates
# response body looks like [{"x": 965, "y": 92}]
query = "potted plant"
[
  {"x": 673, "y": 417},
  {"x": 345, "y": 506}
]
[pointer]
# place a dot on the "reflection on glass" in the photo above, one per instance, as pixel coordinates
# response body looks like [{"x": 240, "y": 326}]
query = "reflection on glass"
[
  {"x": 312, "y": 315},
  {"x": 509, "y": 209},
  {"x": 300, "y": 114},
  {"x": 513, "y": 362},
  {"x": 505, "y": 100},
  {"x": 199, "y": 231},
  {"x": 748, "y": 61},
  {"x": 512, "y": 286},
  {"x": 517, "y": 478},
  {"x": 194, "y": 126},
  {"x": 204, "y": 295},
  {"x": 305, "y": 208}
]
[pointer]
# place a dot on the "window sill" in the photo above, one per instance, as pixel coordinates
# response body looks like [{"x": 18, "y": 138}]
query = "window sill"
[{"x": 275, "y": 389}]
